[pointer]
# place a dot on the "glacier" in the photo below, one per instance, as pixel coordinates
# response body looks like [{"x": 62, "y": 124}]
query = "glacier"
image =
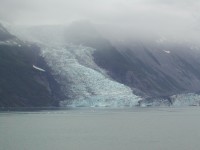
[
  {"x": 178, "y": 100},
  {"x": 84, "y": 83},
  {"x": 188, "y": 99}
]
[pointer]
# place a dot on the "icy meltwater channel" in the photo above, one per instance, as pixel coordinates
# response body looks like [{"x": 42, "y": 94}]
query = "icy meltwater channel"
[
  {"x": 103, "y": 129},
  {"x": 84, "y": 83}
]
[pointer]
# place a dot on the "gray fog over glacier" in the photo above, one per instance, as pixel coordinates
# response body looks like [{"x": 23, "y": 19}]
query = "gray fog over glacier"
[
  {"x": 102, "y": 53},
  {"x": 166, "y": 17},
  {"x": 99, "y": 74}
]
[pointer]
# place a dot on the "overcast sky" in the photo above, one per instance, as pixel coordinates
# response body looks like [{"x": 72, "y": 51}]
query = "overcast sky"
[
  {"x": 109, "y": 11},
  {"x": 172, "y": 15}
]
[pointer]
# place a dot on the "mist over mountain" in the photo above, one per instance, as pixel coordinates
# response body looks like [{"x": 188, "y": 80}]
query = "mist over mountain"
[
  {"x": 160, "y": 68},
  {"x": 86, "y": 64},
  {"x": 99, "y": 74},
  {"x": 4, "y": 35},
  {"x": 22, "y": 82}
]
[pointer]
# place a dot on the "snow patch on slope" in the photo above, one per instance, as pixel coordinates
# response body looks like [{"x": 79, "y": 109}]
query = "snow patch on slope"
[
  {"x": 168, "y": 52},
  {"x": 37, "y": 68}
]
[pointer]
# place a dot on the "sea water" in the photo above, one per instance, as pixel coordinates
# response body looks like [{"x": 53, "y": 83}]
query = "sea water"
[{"x": 101, "y": 129}]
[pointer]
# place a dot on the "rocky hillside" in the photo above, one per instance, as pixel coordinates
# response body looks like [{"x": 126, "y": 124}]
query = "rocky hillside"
[
  {"x": 154, "y": 67},
  {"x": 83, "y": 59},
  {"x": 25, "y": 79}
]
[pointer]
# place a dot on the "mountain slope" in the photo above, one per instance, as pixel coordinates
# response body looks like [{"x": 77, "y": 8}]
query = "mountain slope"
[
  {"x": 155, "y": 68},
  {"x": 4, "y": 34},
  {"x": 85, "y": 63},
  {"x": 20, "y": 83}
]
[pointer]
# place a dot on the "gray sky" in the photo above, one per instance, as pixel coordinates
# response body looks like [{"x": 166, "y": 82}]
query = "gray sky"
[
  {"x": 146, "y": 15},
  {"x": 102, "y": 11}
]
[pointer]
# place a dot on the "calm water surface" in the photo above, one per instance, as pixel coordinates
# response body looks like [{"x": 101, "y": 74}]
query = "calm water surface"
[{"x": 101, "y": 129}]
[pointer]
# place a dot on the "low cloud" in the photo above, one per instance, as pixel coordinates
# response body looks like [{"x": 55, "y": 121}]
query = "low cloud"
[{"x": 175, "y": 17}]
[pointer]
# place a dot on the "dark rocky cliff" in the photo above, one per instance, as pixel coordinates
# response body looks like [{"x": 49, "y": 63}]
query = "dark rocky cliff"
[{"x": 22, "y": 85}]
